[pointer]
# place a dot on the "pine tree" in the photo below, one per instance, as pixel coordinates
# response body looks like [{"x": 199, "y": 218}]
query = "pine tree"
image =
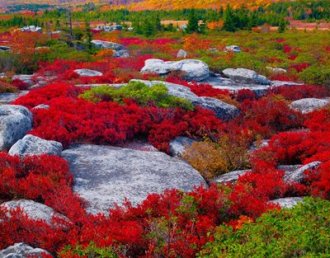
[
  {"x": 192, "y": 22},
  {"x": 282, "y": 26},
  {"x": 229, "y": 20}
]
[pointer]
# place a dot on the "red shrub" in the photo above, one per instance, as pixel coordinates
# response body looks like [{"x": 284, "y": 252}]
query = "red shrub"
[{"x": 300, "y": 92}]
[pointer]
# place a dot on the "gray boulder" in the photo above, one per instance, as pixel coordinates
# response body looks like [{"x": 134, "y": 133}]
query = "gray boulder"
[
  {"x": 107, "y": 45},
  {"x": 179, "y": 144},
  {"x": 26, "y": 78},
  {"x": 288, "y": 202},
  {"x": 88, "y": 73},
  {"x": 192, "y": 69},
  {"x": 246, "y": 76},
  {"x": 4, "y": 48},
  {"x": 107, "y": 175},
  {"x": 41, "y": 106},
  {"x": 308, "y": 105},
  {"x": 233, "y": 48},
  {"x": 298, "y": 175},
  {"x": 223, "y": 110},
  {"x": 6, "y": 98},
  {"x": 230, "y": 177},
  {"x": 15, "y": 121},
  {"x": 121, "y": 53},
  {"x": 21, "y": 250},
  {"x": 34, "y": 210},
  {"x": 276, "y": 70},
  {"x": 182, "y": 54},
  {"x": 33, "y": 145}
]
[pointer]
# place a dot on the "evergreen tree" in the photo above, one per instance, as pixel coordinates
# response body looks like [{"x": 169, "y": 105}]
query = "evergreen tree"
[
  {"x": 192, "y": 22},
  {"x": 282, "y": 26},
  {"x": 229, "y": 20}
]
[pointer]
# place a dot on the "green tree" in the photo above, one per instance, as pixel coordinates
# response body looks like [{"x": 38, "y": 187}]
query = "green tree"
[
  {"x": 229, "y": 20},
  {"x": 192, "y": 23}
]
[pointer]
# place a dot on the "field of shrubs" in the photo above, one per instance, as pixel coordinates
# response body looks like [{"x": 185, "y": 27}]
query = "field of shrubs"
[{"x": 260, "y": 150}]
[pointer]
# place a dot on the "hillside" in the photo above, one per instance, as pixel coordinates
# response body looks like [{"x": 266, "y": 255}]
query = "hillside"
[{"x": 146, "y": 4}]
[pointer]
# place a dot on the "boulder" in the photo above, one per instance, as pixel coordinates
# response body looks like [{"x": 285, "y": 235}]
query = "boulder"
[
  {"x": 25, "y": 78},
  {"x": 223, "y": 110},
  {"x": 15, "y": 121},
  {"x": 34, "y": 210},
  {"x": 107, "y": 45},
  {"x": 33, "y": 145},
  {"x": 121, "y": 53},
  {"x": 233, "y": 48},
  {"x": 6, "y": 98},
  {"x": 276, "y": 70},
  {"x": 179, "y": 144},
  {"x": 308, "y": 105},
  {"x": 88, "y": 73},
  {"x": 230, "y": 177},
  {"x": 192, "y": 69},
  {"x": 107, "y": 175},
  {"x": 41, "y": 106},
  {"x": 288, "y": 202},
  {"x": 246, "y": 76},
  {"x": 298, "y": 175},
  {"x": 182, "y": 54},
  {"x": 21, "y": 250},
  {"x": 4, "y": 48},
  {"x": 31, "y": 28}
]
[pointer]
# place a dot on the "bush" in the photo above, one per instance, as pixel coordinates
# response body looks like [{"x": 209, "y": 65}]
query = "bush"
[
  {"x": 139, "y": 92},
  {"x": 301, "y": 232},
  {"x": 213, "y": 159},
  {"x": 316, "y": 75}
]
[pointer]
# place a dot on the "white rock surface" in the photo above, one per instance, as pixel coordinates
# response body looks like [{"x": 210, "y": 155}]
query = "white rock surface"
[
  {"x": 230, "y": 176},
  {"x": 182, "y": 54},
  {"x": 33, "y": 145},
  {"x": 107, "y": 45},
  {"x": 308, "y": 105},
  {"x": 276, "y": 70},
  {"x": 298, "y": 175},
  {"x": 15, "y": 121},
  {"x": 21, "y": 250},
  {"x": 246, "y": 75},
  {"x": 179, "y": 144},
  {"x": 233, "y": 48},
  {"x": 192, "y": 69},
  {"x": 34, "y": 210},
  {"x": 288, "y": 202},
  {"x": 26, "y": 78},
  {"x": 88, "y": 73},
  {"x": 106, "y": 175}
]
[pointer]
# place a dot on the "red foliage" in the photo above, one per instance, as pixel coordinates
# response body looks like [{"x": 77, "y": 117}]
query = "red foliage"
[
  {"x": 39, "y": 178},
  {"x": 269, "y": 115},
  {"x": 300, "y": 92},
  {"x": 299, "y": 67},
  {"x": 70, "y": 119}
]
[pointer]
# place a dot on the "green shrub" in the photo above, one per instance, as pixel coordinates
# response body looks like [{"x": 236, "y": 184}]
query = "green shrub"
[
  {"x": 139, "y": 92},
  {"x": 91, "y": 251},
  {"x": 303, "y": 231},
  {"x": 316, "y": 75}
]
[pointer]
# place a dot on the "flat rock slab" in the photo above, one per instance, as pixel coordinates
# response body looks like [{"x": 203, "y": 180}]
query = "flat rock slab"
[
  {"x": 288, "y": 202},
  {"x": 15, "y": 121},
  {"x": 107, "y": 175},
  {"x": 308, "y": 105},
  {"x": 34, "y": 210},
  {"x": 21, "y": 250},
  {"x": 230, "y": 177},
  {"x": 33, "y": 145}
]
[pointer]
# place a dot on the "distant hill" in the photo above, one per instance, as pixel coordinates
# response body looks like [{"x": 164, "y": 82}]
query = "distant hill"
[{"x": 146, "y": 4}]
